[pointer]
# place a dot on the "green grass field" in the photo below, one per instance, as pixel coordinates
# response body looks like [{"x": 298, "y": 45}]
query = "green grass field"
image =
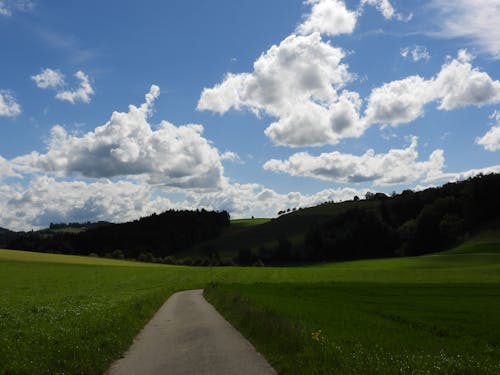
[
  {"x": 363, "y": 328},
  {"x": 249, "y": 222},
  {"x": 425, "y": 315},
  {"x": 75, "y": 315}
]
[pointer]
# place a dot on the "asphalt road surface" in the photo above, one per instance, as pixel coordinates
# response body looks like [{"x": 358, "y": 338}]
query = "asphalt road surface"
[{"x": 188, "y": 336}]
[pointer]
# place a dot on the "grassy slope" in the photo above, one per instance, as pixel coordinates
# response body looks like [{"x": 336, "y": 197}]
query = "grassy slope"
[
  {"x": 292, "y": 226},
  {"x": 61, "y": 316},
  {"x": 486, "y": 242},
  {"x": 29, "y": 256},
  {"x": 249, "y": 222}
]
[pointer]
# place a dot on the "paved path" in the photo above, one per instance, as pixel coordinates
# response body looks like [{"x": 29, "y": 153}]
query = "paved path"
[{"x": 188, "y": 336}]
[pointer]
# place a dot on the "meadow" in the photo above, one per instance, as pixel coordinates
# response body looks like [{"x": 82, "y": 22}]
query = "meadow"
[
  {"x": 364, "y": 328},
  {"x": 433, "y": 314}
]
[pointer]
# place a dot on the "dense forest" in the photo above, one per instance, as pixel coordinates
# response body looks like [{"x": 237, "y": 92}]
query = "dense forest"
[
  {"x": 155, "y": 236},
  {"x": 411, "y": 223},
  {"x": 7, "y": 236},
  {"x": 406, "y": 224}
]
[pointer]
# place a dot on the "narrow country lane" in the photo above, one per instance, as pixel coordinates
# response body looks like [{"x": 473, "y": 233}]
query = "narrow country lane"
[{"x": 188, "y": 336}]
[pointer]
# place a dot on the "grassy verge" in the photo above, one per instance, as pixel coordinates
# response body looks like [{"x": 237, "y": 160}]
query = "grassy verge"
[{"x": 363, "y": 328}]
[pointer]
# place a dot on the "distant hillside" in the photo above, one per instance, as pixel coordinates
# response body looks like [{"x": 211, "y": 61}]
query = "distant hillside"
[
  {"x": 410, "y": 223},
  {"x": 155, "y": 236},
  {"x": 406, "y": 224}
]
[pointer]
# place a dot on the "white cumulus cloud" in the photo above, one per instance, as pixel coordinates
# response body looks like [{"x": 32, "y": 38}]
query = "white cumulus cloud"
[
  {"x": 398, "y": 166},
  {"x": 128, "y": 145},
  {"x": 301, "y": 83},
  {"x": 6, "y": 169},
  {"x": 491, "y": 140},
  {"x": 457, "y": 85},
  {"x": 81, "y": 94},
  {"x": 9, "y": 107},
  {"x": 49, "y": 78},
  {"x": 399, "y": 101},
  {"x": 54, "y": 79},
  {"x": 329, "y": 17}
]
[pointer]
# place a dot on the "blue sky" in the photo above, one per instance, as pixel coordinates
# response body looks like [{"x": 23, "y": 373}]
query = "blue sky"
[{"x": 113, "y": 110}]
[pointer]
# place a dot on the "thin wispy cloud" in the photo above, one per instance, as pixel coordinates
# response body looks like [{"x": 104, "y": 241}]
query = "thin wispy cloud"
[
  {"x": 9, "y": 7},
  {"x": 416, "y": 53},
  {"x": 473, "y": 20}
]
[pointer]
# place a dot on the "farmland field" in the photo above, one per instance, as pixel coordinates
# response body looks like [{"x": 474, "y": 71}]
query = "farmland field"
[{"x": 75, "y": 315}]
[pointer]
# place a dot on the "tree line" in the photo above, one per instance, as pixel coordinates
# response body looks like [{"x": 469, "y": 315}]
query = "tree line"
[{"x": 157, "y": 235}]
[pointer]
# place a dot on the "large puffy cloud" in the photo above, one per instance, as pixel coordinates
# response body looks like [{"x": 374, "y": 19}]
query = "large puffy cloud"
[
  {"x": 398, "y": 166},
  {"x": 458, "y": 84},
  {"x": 127, "y": 145},
  {"x": 330, "y": 17},
  {"x": 311, "y": 124},
  {"x": 399, "y": 101},
  {"x": 475, "y": 20},
  {"x": 297, "y": 82},
  {"x": 54, "y": 79},
  {"x": 301, "y": 83},
  {"x": 9, "y": 107}
]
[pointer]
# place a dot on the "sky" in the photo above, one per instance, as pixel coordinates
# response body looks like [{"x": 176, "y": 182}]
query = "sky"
[{"x": 114, "y": 110}]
